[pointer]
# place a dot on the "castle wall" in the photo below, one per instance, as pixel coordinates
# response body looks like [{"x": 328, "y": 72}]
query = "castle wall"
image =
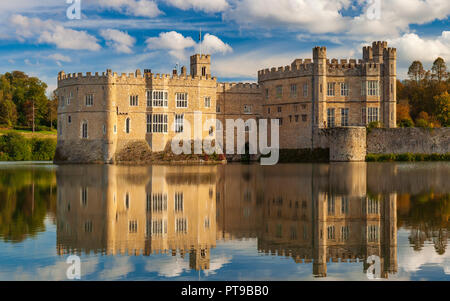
[{"x": 408, "y": 140}]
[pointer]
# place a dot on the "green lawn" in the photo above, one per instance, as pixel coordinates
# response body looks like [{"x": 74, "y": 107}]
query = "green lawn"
[{"x": 29, "y": 134}]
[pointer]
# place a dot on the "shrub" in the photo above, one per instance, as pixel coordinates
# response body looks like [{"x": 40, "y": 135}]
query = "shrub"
[
  {"x": 406, "y": 123},
  {"x": 43, "y": 149},
  {"x": 16, "y": 147},
  {"x": 4, "y": 157},
  {"x": 422, "y": 123}
]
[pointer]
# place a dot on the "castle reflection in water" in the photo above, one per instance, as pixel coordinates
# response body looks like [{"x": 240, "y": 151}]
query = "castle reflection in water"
[{"x": 311, "y": 213}]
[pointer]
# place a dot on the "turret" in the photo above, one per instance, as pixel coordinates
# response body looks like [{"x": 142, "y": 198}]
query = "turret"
[
  {"x": 201, "y": 65},
  {"x": 378, "y": 50}
]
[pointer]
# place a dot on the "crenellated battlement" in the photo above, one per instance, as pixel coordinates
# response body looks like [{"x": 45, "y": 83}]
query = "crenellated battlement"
[
  {"x": 239, "y": 87},
  {"x": 299, "y": 67}
]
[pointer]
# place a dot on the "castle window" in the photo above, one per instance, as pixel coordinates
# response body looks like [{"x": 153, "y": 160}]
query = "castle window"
[
  {"x": 344, "y": 89},
  {"x": 331, "y": 205},
  {"x": 179, "y": 201},
  {"x": 207, "y": 102},
  {"x": 84, "y": 196},
  {"x": 88, "y": 226},
  {"x": 344, "y": 205},
  {"x": 133, "y": 226},
  {"x": 290, "y": 118},
  {"x": 206, "y": 226},
  {"x": 372, "y": 88},
  {"x": 159, "y": 202},
  {"x": 330, "y": 232},
  {"x": 134, "y": 100},
  {"x": 159, "y": 227},
  {"x": 203, "y": 71},
  {"x": 179, "y": 123},
  {"x": 127, "y": 201},
  {"x": 115, "y": 129},
  {"x": 279, "y": 109},
  {"x": 296, "y": 118},
  {"x": 159, "y": 99},
  {"x": 247, "y": 109},
  {"x": 157, "y": 123},
  {"x": 218, "y": 108},
  {"x": 279, "y": 91},
  {"x": 372, "y": 233},
  {"x": 293, "y": 90},
  {"x": 267, "y": 93},
  {"x": 330, "y": 89},
  {"x": 330, "y": 117},
  {"x": 104, "y": 129},
  {"x": 127, "y": 125},
  {"x": 280, "y": 120},
  {"x": 69, "y": 119},
  {"x": 89, "y": 100},
  {"x": 61, "y": 101},
  {"x": 181, "y": 225},
  {"x": 305, "y": 89},
  {"x": 268, "y": 110},
  {"x": 372, "y": 206},
  {"x": 182, "y": 100},
  {"x": 84, "y": 130},
  {"x": 372, "y": 114},
  {"x": 344, "y": 233},
  {"x": 344, "y": 117}
]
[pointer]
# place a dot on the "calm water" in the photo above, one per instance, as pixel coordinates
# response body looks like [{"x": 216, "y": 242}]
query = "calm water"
[{"x": 232, "y": 222}]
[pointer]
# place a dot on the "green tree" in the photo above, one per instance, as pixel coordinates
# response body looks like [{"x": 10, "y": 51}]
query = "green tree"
[
  {"x": 8, "y": 111},
  {"x": 439, "y": 69}
]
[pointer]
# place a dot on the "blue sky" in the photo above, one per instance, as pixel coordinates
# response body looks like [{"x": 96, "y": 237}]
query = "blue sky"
[{"x": 243, "y": 36}]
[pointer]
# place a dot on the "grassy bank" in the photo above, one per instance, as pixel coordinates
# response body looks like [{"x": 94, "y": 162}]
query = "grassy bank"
[
  {"x": 16, "y": 147},
  {"x": 42, "y": 133},
  {"x": 408, "y": 157}
]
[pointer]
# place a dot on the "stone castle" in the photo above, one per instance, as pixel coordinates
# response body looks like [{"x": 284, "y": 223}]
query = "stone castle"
[{"x": 101, "y": 114}]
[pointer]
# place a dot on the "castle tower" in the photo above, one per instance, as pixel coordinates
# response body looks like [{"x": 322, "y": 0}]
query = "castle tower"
[
  {"x": 319, "y": 88},
  {"x": 378, "y": 50},
  {"x": 110, "y": 119},
  {"x": 390, "y": 236},
  {"x": 320, "y": 235},
  {"x": 201, "y": 65},
  {"x": 390, "y": 87},
  {"x": 199, "y": 259}
]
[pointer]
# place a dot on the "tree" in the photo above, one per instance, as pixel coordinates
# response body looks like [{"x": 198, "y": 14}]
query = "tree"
[
  {"x": 439, "y": 69},
  {"x": 442, "y": 103},
  {"x": 8, "y": 112},
  {"x": 416, "y": 71}
]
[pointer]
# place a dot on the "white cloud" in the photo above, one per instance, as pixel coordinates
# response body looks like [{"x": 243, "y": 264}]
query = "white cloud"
[
  {"x": 119, "y": 40},
  {"x": 168, "y": 266},
  {"x": 318, "y": 16},
  {"x": 325, "y": 16},
  {"x": 412, "y": 47},
  {"x": 208, "y": 6},
  {"x": 60, "y": 57},
  {"x": 138, "y": 8},
  {"x": 176, "y": 44},
  {"x": 212, "y": 44},
  {"x": 172, "y": 41},
  {"x": 50, "y": 32}
]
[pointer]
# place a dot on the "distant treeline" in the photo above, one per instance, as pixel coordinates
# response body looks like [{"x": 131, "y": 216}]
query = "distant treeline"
[
  {"x": 424, "y": 99},
  {"x": 19, "y": 93}
]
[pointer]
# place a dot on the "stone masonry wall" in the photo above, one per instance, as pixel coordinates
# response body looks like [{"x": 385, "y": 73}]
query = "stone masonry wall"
[{"x": 408, "y": 140}]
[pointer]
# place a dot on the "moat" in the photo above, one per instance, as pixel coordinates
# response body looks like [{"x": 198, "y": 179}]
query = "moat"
[{"x": 225, "y": 222}]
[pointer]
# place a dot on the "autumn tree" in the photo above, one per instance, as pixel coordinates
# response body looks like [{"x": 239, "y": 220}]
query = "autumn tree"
[{"x": 416, "y": 71}]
